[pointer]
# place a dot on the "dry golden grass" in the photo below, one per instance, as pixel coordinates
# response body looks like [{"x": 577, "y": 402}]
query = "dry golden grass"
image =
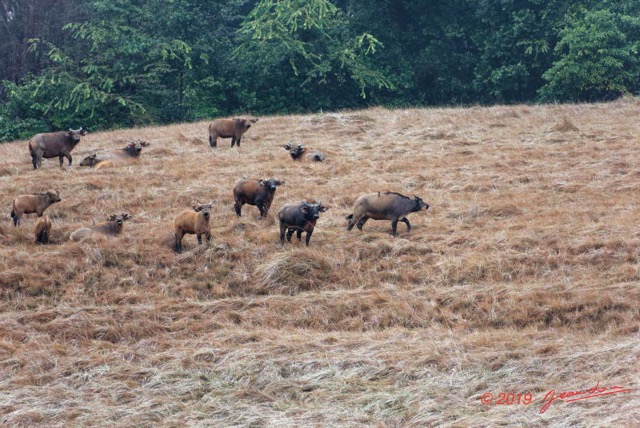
[{"x": 522, "y": 276}]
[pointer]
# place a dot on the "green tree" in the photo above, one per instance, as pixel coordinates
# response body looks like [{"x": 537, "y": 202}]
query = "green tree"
[
  {"x": 307, "y": 45},
  {"x": 117, "y": 70},
  {"x": 596, "y": 58}
]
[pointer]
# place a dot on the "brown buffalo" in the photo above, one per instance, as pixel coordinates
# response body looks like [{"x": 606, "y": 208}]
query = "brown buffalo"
[
  {"x": 193, "y": 222},
  {"x": 384, "y": 206},
  {"x": 54, "y": 144},
  {"x": 42, "y": 230},
  {"x": 30, "y": 204},
  {"x": 130, "y": 153},
  {"x": 229, "y": 128},
  {"x": 112, "y": 227},
  {"x": 255, "y": 192}
]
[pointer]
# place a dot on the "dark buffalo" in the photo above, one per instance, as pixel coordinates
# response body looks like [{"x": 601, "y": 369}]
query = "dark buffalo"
[
  {"x": 299, "y": 153},
  {"x": 54, "y": 144},
  {"x": 299, "y": 218},
  {"x": 384, "y": 206}
]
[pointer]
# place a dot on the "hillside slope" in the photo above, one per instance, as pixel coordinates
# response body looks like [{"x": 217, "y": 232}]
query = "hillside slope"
[{"x": 521, "y": 277}]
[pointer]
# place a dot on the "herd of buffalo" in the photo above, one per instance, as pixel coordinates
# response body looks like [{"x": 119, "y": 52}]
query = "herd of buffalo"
[{"x": 293, "y": 217}]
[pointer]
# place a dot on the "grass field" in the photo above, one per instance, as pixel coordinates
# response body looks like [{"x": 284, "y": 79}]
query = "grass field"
[{"x": 523, "y": 276}]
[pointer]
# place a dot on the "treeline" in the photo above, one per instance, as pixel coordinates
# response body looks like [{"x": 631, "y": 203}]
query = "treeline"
[{"x": 120, "y": 63}]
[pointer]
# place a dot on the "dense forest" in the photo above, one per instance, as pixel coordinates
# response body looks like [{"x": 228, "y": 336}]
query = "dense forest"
[{"x": 119, "y": 63}]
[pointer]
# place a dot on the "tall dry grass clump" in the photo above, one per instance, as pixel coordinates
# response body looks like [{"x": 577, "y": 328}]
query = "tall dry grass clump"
[
  {"x": 292, "y": 272},
  {"x": 521, "y": 277}
]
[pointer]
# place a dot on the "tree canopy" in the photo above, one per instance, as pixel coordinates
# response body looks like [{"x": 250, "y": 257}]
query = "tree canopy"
[{"x": 115, "y": 63}]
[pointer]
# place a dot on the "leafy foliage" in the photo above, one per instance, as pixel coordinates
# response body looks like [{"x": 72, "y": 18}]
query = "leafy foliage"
[
  {"x": 310, "y": 46},
  {"x": 116, "y": 63},
  {"x": 597, "y": 59}
]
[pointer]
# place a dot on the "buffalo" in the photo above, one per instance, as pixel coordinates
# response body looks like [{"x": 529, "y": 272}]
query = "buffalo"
[
  {"x": 54, "y": 144},
  {"x": 299, "y": 218},
  {"x": 300, "y": 153},
  {"x": 255, "y": 192},
  {"x": 42, "y": 230},
  {"x": 129, "y": 153},
  {"x": 193, "y": 222},
  {"x": 29, "y": 204},
  {"x": 229, "y": 128},
  {"x": 384, "y": 206},
  {"x": 112, "y": 227}
]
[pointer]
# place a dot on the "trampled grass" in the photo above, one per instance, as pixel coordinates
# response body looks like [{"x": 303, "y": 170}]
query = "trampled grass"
[{"x": 522, "y": 277}]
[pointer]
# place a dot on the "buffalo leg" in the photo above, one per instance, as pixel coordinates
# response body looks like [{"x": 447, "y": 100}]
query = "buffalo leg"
[
  {"x": 208, "y": 237},
  {"x": 199, "y": 235},
  {"x": 61, "y": 158},
  {"x": 394, "y": 226},
  {"x": 299, "y": 234},
  {"x": 233, "y": 141},
  {"x": 261, "y": 207},
  {"x": 238, "y": 207},
  {"x": 406, "y": 221},
  {"x": 179, "y": 243},
  {"x": 282, "y": 229},
  {"x": 289, "y": 234},
  {"x": 69, "y": 158},
  {"x": 352, "y": 222},
  {"x": 362, "y": 221},
  {"x": 213, "y": 142},
  {"x": 238, "y": 141},
  {"x": 34, "y": 161},
  {"x": 309, "y": 232}
]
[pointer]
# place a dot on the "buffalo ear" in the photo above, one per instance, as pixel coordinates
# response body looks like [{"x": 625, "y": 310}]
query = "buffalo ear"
[
  {"x": 280, "y": 183},
  {"x": 126, "y": 216},
  {"x": 322, "y": 208},
  {"x": 262, "y": 182},
  {"x": 304, "y": 209},
  {"x": 93, "y": 156},
  {"x": 112, "y": 217},
  {"x": 197, "y": 208},
  {"x": 254, "y": 120},
  {"x": 83, "y": 131}
]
